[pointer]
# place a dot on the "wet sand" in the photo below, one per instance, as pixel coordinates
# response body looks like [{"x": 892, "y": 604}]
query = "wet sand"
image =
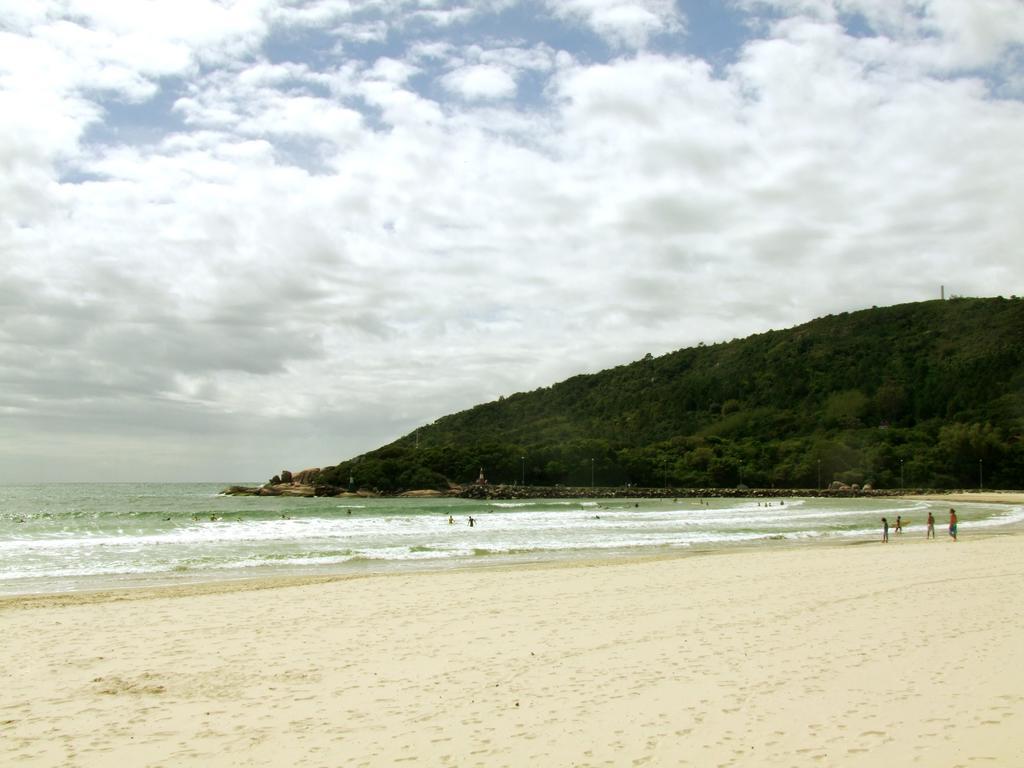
[{"x": 980, "y": 497}]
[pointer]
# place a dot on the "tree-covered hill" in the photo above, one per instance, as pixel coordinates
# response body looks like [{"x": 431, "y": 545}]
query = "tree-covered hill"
[{"x": 928, "y": 395}]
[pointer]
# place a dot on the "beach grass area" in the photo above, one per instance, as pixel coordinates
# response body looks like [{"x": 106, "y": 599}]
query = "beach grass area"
[{"x": 844, "y": 654}]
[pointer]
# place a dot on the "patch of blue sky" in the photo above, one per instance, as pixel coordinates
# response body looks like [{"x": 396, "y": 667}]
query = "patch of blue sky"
[
  {"x": 528, "y": 25},
  {"x": 311, "y": 155},
  {"x": 136, "y": 123},
  {"x": 715, "y": 32},
  {"x": 317, "y": 48},
  {"x": 530, "y": 94},
  {"x": 1005, "y": 80},
  {"x": 532, "y": 89},
  {"x": 515, "y": 27},
  {"x": 856, "y": 25},
  {"x": 70, "y": 175}
]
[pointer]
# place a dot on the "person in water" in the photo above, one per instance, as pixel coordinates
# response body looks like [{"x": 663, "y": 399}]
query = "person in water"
[
  {"x": 952, "y": 523},
  {"x": 885, "y": 530},
  {"x": 930, "y": 534},
  {"x": 472, "y": 522}
]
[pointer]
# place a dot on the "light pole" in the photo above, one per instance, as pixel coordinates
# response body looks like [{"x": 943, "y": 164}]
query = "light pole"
[
  {"x": 901, "y": 475},
  {"x": 981, "y": 484},
  {"x": 819, "y": 474},
  {"x": 523, "y": 460},
  {"x": 591, "y": 474}
]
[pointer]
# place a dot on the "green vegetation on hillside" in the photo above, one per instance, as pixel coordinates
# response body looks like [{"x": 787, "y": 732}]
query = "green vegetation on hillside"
[{"x": 926, "y": 395}]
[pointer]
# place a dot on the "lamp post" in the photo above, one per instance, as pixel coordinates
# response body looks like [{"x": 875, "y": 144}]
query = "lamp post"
[
  {"x": 981, "y": 484},
  {"x": 901, "y": 475},
  {"x": 591, "y": 474},
  {"x": 523, "y": 460},
  {"x": 819, "y": 474}
]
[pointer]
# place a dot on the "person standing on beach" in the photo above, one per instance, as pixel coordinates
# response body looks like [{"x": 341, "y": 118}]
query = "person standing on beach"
[
  {"x": 899, "y": 524},
  {"x": 952, "y": 523},
  {"x": 931, "y": 526},
  {"x": 885, "y": 530}
]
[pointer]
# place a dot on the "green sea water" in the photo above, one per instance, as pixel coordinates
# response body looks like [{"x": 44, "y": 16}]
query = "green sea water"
[{"x": 67, "y": 537}]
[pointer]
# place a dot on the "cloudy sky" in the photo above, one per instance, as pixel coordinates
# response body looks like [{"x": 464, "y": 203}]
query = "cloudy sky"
[{"x": 238, "y": 236}]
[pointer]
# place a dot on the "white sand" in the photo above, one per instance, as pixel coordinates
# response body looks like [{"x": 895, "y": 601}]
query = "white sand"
[
  {"x": 979, "y": 497},
  {"x": 858, "y": 655}
]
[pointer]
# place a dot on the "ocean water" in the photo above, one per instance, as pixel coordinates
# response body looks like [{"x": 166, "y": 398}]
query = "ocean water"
[{"x": 58, "y": 538}]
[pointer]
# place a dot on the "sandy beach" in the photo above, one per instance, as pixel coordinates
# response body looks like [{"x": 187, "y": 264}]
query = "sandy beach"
[
  {"x": 979, "y": 497},
  {"x": 852, "y": 655}
]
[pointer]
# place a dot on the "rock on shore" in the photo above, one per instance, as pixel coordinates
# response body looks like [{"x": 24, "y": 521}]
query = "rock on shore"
[{"x": 302, "y": 490}]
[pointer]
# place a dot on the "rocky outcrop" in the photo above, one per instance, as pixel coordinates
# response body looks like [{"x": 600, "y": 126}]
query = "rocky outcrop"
[
  {"x": 304, "y": 490},
  {"x": 271, "y": 489},
  {"x": 306, "y": 476},
  {"x": 843, "y": 488}
]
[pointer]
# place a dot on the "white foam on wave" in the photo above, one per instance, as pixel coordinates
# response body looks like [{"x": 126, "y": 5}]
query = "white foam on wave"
[
  {"x": 1011, "y": 516},
  {"x": 335, "y": 539},
  {"x": 255, "y": 562}
]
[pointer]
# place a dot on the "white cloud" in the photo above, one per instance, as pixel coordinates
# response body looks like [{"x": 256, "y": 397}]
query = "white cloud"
[
  {"x": 940, "y": 34},
  {"x": 318, "y": 13},
  {"x": 627, "y": 23},
  {"x": 447, "y": 17},
  {"x": 392, "y": 71},
  {"x": 267, "y": 100},
  {"x": 367, "y": 32},
  {"x": 313, "y": 256},
  {"x": 514, "y": 58},
  {"x": 481, "y": 81},
  {"x": 477, "y": 73},
  {"x": 975, "y": 34}
]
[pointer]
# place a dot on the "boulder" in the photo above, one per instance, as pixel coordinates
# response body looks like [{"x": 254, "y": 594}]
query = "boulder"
[{"x": 306, "y": 476}]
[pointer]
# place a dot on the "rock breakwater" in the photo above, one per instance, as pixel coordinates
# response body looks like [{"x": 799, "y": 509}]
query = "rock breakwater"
[{"x": 511, "y": 492}]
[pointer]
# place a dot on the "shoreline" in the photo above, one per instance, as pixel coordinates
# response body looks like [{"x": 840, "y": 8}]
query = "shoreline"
[
  {"x": 210, "y": 584},
  {"x": 980, "y": 497},
  {"x": 116, "y": 587},
  {"x": 838, "y": 654}
]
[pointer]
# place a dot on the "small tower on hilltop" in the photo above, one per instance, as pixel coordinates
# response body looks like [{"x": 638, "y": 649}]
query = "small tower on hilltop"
[{"x": 481, "y": 480}]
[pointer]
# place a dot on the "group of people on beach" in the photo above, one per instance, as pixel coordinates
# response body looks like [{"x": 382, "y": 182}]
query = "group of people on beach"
[{"x": 930, "y": 533}]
